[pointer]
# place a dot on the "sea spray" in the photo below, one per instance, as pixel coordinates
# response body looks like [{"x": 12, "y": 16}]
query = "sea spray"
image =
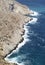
[
  {"x": 34, "y": 13},
  {"x": 16, "y": 59},
  {"x": 20, "y": 44},
  {"x": 33, "y": 21}
]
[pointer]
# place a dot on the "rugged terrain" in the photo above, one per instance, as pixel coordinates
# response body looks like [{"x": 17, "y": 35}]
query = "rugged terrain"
[{"x": 12, "y": 19}]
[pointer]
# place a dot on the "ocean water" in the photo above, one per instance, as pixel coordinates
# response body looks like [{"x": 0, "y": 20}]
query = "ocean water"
[{"x": 32, "y": 50}]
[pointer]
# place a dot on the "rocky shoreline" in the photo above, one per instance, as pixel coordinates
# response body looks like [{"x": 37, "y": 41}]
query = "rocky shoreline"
[{"x": 12, "y": 19}]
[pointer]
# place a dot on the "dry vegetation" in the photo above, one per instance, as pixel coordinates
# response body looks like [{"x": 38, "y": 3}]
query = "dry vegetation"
[{"x": 11, "y": 23}]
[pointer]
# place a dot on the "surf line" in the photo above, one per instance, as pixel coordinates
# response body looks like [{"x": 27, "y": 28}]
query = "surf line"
[{"x": 33, "y": 21}]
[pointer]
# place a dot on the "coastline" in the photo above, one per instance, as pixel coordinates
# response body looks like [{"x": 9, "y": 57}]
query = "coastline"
[
  {"x": 11, "y": 27},
  {"x": 21, "y": 40},
  {"x": 32, "y": 21},
  {"x": 12, "y": 24}
]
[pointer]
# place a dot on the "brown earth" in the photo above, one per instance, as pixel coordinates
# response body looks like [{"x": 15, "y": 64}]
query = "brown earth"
[{"x": 12, "y": 19}]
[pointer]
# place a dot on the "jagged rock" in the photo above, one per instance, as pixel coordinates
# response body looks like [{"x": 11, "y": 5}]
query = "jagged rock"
[{"x": 12, "y": 19}]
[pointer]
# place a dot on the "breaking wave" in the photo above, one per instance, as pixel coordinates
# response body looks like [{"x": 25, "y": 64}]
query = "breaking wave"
[
  {"x": 34, "y": 13},
  {"x": 25, "y": 36},
  {"x": 34, "y": 20}
]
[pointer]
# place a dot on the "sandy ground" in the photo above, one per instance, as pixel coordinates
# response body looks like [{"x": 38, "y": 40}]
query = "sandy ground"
[{"x": 12, "y": 19}]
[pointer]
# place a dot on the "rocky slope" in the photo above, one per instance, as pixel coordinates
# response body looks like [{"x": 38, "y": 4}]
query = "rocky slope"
[{"x": 12, "y": 19}]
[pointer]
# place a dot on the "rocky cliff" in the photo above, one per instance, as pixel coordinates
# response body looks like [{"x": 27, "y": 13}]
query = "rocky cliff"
[{"x": 12, "y": 19}]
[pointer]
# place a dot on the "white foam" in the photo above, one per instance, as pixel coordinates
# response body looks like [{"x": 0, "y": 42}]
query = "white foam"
[
  {"x": 17, "y": 49},
  {"x": 34, "y": 13},
  {"x": 15, "y": 59},
  {"x": 26, "y": 30},
  {"x": 20, "y": 44},
  {"x": 25, "y": 38},
  {"x": 21, "y": 63},
  {"x": 33, "y": 21}
]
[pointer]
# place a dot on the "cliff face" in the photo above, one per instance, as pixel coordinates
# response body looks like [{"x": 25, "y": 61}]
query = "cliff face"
[{"x": 12, "y": 18}]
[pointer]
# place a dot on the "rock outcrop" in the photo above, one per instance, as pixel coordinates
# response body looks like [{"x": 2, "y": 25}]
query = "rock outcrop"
[{"x": 12, "y": 19}]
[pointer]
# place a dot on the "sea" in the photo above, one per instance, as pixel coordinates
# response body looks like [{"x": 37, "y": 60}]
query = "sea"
[{"x": 32, "y": 50}]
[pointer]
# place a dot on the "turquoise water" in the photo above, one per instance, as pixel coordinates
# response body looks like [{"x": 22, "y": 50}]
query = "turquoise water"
[{"x": 33, "y": 50}]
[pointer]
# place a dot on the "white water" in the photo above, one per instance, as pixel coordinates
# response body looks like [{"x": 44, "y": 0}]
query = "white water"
[
  {"x": 34, "y": 13},
  {"x": 33, "y": 21},
  {"x": 16, "y": 59}
]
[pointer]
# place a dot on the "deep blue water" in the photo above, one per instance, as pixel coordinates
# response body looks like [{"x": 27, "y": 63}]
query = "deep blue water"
[
  {"x": 33, "y": 52},
  {"x": 36, "y": 5}
]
